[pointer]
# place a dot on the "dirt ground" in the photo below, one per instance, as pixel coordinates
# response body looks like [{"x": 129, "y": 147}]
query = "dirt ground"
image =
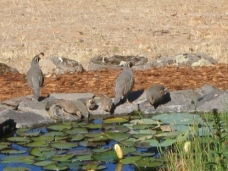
[{"x": 83, "y": 29}]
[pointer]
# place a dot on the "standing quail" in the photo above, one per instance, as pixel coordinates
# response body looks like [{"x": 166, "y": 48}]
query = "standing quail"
[
  {"x": 68, "y": 107},
  {"x": 124, "y": 83},
  {"x": 106, "y": 102},
  {"x": 35, "y": 77},
  {"x": 155, "y": 94}
]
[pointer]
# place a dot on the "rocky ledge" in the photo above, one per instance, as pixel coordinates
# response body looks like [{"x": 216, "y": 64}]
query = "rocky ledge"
[{"x": 25, "y": 112}]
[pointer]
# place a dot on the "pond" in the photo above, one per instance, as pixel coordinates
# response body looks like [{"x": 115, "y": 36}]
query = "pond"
[{"x": 91, "y": 146}]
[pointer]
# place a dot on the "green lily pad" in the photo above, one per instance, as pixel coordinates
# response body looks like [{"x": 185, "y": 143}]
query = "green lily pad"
[
  {"x": 144, "y": 121},
  {"x": 55, "y": 133},
  {"x": 130, "y": 159},
  {"x": 115, "y": 128},
  {"x": 167, "y": 142},
  {"x": 91, "y": 144},
  {"x": 179, "y": 118},
  {"x": 84, "y": 158},
  {"x": 72, "y": 164},
  {"x": 166, "y": 135},
  {"x": 107, "y": 156},
  {"x": 136, "y": 153},
  {"x": 127, "y": 150},
  {"x": 117, "y": 136},
  {"x": 19, "y": 139},
  {"x": 59, "y": 127},
  {"x": 16, "y": 169},
  {"x": 38, "y": 144},
  {"x": 43, "y": 138},
  {"x": 13, "y": 151},
  {"x": 55, "y": 167},
  {"x": 100, "y": 150},
  {"x": 127, "y": 143},
  {"x": 91, "y": 126},
  {"x": 93, "y": 166},
  {"x": 142, "y": 144},
  {"x": 77, "y": 137},
  {"x": 45, "y": 152},
  {"x": 143, "y": 126},
  {"x": 93, "y": 134},
  {"x": 62, "y": 157},
  {"x": 18, "y": 159},
  {"x": 29, "y": 134},
  {"x": 115, "y": 120},
  {"x": 148, "y": 162},
  {"x": 76, "y": 130},
  {"x": 4, "y": 146},
  {"x": 64, "y": 145},
  {"x": 98, "y": 138},
  {"x": 43, "y": 163}
]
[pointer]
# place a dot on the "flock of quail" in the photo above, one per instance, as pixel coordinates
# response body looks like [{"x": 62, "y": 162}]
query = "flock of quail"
[{"x": 123, "y": 86}]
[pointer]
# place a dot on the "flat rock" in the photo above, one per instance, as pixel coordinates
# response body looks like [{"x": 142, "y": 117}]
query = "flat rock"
[
  {"x": 33, "y": 106},
  {"x": 14, "y": 102},
  {"x": 70, "y": 96},
  {"x": 25, "y": 119},
  {"x": 220, "y": 103}
]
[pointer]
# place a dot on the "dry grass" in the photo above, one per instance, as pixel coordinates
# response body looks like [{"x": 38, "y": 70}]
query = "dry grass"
[{"x": 85, "y": 28}]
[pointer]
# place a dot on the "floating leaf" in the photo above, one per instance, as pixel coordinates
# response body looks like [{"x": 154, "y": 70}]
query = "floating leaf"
[
  {"x": 4, "y": 145},
  {"x": 19, "y": 139},
  {"x": 91, "y": 126},
  {"x": 117, "y": 136},
  {"x": 62, "y": 157},
  {"x": 93, "y": 166},
  {"x": 152, "y": 142},
  {"x": 144, "y": 121},
  {"x": 166, "y": 135},
  {"x": 167, "y": 142},
  {"x": 127, "y": 143},
  {"x": 13, "y": 151},
  {"x": 16, "y": 169},
  {"x": 76, "y": 131},
  {"x": 43, "y": 163},
  {"x": 84, "y": 158},
  {"x": 64, "y": 145},
  {"x": 55, "y": 133},
  {"x": 115, "y": 120},
  {"x": 59, "y": 127},
  {"x": 91, "y": 144},
  {"x": 98, "y": 138},
  {"x": 127, "y": 150},
  {"x": 143, "y": 126},
  {"x": 148, "y": 162},
  {"x": 136, "y": 153},
  {"x": 130, "y": 159},
  {"x": 43, "y": 138},
  {"x": 38, "y": 144},
  {"x": 55, "y": 167},
  {"x": 29, "y": 134},
  {"x": 107, "y": 156},
  {"x": 93, "y": 134},
  {"x": 115, "y": 128},
  {"x": 100, "y": 150},
  {"x": 18, "y": 159},
  {"x": 77, "y": 137}
]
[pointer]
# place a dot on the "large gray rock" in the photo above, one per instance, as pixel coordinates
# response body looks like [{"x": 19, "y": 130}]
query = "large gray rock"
[
  {"x": 26, "y": 119},
  {"x": 60, "y": 65},
  {"x": 33, "y": 106},
  {"x": 70, "y": 96}
]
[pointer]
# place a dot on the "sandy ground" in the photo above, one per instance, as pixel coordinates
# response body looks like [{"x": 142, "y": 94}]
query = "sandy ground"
[{"x": 83, "y": 29}]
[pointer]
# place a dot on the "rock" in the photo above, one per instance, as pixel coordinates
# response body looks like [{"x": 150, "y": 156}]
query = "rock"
[
  {"x": 33, "y": 106},
  {"x": 190, "y": 59},
  {"x": 220, "y": 103},
  {"x": 14, "y": 102},
  {"x": 60, "y": 65},
  {"x": 26, "y": 119},
  {"x": 116, "y": 61},
  {"x": 70, "y": 96},
  {"x": 82, "y": 108},
  {"x": 5, "y": 68}
]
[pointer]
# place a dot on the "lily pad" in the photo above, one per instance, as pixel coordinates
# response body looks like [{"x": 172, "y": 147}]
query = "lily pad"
[
  {"x": 148, "y": 162},
  {"x": 55, "y": 167},
  {"x": 127, "y": 150},
  {"x": 130, "y": 159},
  {"x": 18, "y": 159},
  {"x": 115, "y": 128},
  {"x": 117, "y": 136},
  {"x": 107, "y": 156},
  {"x": 77, "y": 137},
  {"x": 62, "y": 157},
  {"x": 136, "y": 153},
  {"x": 76, "y": 130},
  {"x": 91, "y": 126},
  {"x": 100, "y": 150},
  {"x": 16, "y": 169},
  {"x": 144, "y": 121},
  {"x": 55, "y": 133},
  {"x": 29, "y": 134},
  {"x": 43, "y": 138},
  {"x": 84, "y": 158},
  {"x": 64, "y": 145},
  {"x": 115, "y": 120},
  {"x": 13, "y": 151},
  {"x": 127, "y": 143},
  {"x": 4, "y": 146},
  {"x": 167, "y": 142},
  {"x": 91, "y": 144},
  {"x": 45, "y": 152},
  {"x": 93, "y": 166},
  {"x": 59, "y": 127},
  {"x": 19, "y": 139},
  {"x": 43, "y": 163},
  {"x": 38, "y": 144}
]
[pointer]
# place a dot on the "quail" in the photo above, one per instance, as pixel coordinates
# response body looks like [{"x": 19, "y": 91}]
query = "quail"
[
  {"x": 35, "y": 77},
  {"x": 68, "y": 107},
  {"x": 155, "y": 94},
  {"x": 106, "y": 102},
  {"x": 124, "y": 83},
  {"x": 90, "y": 103}
]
